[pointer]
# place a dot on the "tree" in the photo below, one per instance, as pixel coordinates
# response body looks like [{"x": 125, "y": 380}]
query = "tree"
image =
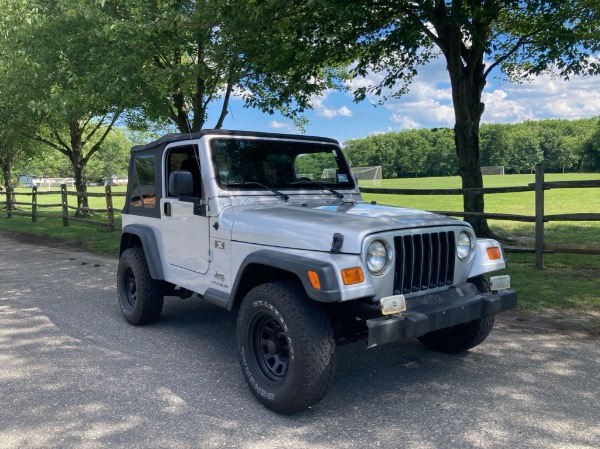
[
  {"x": 113, "y": 157},
  {"x": 496, "y": 145},
  {"x": 414, "y": 150},
  {"x": 442, "y": 158},
  {"x": 63, "y": 74},
  {"x": 393, "y": 38},
  {"x": 10, "y": 151},
  {"x": 381, "y": 149},
  {"x": 590, "y": 152},
  {"x": 14, "y": 145},
  {"x": 526, "y": 150},
  {"x": 186, "y": 55},
  {"x": 45, "y": 162}
]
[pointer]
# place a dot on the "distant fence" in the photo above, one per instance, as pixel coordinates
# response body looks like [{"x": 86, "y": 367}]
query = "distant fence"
[
  {"x": 493, "y": 170},
  {"x": 539, "y": 218},
  {"x": 64, "y": 206}
]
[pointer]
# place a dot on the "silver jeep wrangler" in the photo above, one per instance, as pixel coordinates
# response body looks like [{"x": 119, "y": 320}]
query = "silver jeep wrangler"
[{"x": 274, "y": 227}]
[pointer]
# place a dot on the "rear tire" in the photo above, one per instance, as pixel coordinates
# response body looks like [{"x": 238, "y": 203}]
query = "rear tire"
[
  {"x": 141, "y": 297},
  {"x": 286, "y": 347},
  {"x": 465, "y": 336}
]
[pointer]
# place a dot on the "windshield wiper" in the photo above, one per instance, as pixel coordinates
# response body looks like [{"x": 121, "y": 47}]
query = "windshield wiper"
[
  {"x": 323, "y": 186},
  {"x": 276, "y": 192}
]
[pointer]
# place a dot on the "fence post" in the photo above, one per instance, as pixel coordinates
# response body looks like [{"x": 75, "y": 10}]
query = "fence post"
[
  {"x": 65, "y": 205},
  {"x": 109, "y": 209},
  {"x": 539, "y": 216},
  {"x": 34, "y": 204}
]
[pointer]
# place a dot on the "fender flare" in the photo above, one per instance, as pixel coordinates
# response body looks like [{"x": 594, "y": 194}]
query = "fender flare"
[
  {"x": 148, "y": 239},
  {"x": 299, "y": 266}
]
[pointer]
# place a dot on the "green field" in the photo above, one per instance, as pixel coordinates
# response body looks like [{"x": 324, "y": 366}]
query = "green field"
[
  {"x": 567, "y": 282},
  {"x": 96, "y": 238},
  {"x": 557, "y": 201}
]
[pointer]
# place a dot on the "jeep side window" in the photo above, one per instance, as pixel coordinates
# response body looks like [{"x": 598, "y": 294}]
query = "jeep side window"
[
  {"x": 185, "y": 158},
  {"x": 143, "y": 191}
]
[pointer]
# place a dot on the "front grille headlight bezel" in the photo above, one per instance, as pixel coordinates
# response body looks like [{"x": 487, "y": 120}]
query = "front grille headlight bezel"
[
  {"x": 379, "y": 256},
  {"x": 465, "y": 246}
]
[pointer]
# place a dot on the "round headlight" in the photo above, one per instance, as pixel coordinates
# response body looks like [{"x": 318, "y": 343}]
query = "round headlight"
[
  {"x": 379, "y": 256},
  {"x": 465, "y": 245}
]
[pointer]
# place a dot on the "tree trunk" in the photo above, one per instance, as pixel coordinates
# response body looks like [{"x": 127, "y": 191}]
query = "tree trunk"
[
  {"x": 9, "y": 186},
  {"x": 466, "y": 70},
  {"x": 78, "y": 162},
  {"x": 467, "y": 149}
]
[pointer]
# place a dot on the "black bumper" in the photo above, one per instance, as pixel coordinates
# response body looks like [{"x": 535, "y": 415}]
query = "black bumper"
[{"x": 438, "y": 311}]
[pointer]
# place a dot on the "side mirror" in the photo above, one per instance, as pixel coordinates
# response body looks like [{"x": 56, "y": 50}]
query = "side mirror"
[{"x": 181, "y": 183}]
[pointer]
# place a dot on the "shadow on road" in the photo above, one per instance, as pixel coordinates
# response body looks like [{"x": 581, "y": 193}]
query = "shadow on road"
[{"x": 178, "y": 384}]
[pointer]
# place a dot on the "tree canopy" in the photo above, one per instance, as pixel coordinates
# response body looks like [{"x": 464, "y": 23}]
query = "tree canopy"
[
  {"x": 61, "y": 73},
  {"x": 562, "y": 145},
  {"x": 186, "y": 55},
  {"x": 78, "y": 67},
  {"x": 394, "y": 38}
]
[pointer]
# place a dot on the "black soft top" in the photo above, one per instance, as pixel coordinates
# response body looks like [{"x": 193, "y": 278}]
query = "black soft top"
[{"x": 176, "y": 137}]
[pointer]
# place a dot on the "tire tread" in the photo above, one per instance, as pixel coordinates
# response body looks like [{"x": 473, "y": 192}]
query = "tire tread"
[
  {"x": 313, "y": 340},
  {"x": 150, "y": 291}
]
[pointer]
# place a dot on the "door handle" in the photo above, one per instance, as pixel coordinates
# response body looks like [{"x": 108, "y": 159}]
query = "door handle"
[{"x": 167, "y": 209}]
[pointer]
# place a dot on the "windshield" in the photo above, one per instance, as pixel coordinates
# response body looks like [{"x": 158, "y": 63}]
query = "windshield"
[{"x": 246, "y": 163}]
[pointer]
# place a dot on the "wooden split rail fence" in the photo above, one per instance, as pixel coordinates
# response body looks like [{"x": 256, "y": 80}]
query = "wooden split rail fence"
[
  {"x": 539, "y": 218},
  {"x": 64, "y": 206}
]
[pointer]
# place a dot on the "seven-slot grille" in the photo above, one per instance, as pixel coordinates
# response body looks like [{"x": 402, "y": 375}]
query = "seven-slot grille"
[{"x": 424, "y": 261}]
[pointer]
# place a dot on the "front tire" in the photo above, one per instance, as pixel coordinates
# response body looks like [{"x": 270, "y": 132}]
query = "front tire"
[
  {"x": 465, "y": 336},
  {"x": 141, "y": 297},
  {"x": 286, "y": 347}
]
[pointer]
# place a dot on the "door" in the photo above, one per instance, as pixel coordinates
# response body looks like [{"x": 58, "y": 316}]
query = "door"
[{"x": 185, "y": 235}]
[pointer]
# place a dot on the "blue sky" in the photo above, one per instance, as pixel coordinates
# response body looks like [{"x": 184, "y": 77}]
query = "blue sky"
[{"x": 428, "y": 104}]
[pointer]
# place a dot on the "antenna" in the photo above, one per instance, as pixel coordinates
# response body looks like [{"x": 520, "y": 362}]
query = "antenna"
[
  {"x": 188, "y": 126},
  {"x": 195, "y": 152}
]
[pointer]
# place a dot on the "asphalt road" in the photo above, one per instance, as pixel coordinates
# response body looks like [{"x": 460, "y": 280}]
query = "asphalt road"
[{"x": 74, "y": 374}]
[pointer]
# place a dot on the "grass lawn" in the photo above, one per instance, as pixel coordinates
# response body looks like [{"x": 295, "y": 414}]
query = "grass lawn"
[
  {"x": 568, "y": 281},
  {"x": 557, "y": 201},
  {"x": 95, "y": 238}
]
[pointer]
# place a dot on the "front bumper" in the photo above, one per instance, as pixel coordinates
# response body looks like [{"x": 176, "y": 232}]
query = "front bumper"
[{"x": 433, "y": 312}]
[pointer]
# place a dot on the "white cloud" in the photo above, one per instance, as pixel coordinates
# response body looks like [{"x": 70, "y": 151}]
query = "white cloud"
[
  {"x": 404, "y": 121},
  {"x": 422, "y": 108},
  {"x": 428, "y": 103},
  {"x": 344, "y": 112},
  {"x": 281, "y": 125},
  {"x": 544, "y": 97},
  {"x": 499, "y": 109},
  {"x": 322, "y": 110}
]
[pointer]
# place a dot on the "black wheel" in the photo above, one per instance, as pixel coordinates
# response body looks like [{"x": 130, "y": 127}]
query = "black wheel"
[
  {"x": 286, "y": 347},
  {"x": 141, "y": 297},
  {"x": 464, "y": 336}
]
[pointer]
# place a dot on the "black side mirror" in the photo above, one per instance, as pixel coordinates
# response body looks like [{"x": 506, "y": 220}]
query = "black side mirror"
[{"x": 181, "y": 183}]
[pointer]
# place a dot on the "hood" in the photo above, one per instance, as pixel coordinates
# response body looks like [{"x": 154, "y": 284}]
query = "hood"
[{"x": 312, "y": 226}]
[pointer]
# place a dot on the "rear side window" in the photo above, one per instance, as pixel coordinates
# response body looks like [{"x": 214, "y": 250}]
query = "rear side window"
[{"x": 143, "y": 191}]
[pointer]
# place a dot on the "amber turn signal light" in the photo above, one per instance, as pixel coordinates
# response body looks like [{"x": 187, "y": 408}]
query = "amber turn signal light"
[
  {"x": 353, "y": 276},
  {"x": 313, "y": 277},
  {"x": 494, "y": 253}
]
